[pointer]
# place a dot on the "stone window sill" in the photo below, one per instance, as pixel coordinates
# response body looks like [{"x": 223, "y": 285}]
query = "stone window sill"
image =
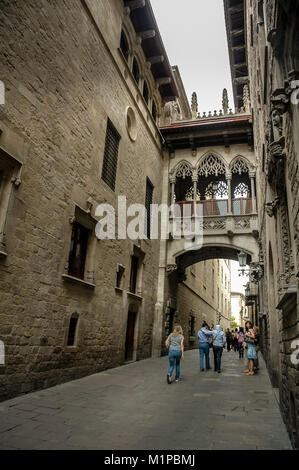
[
  {"x": 71, "y": 349},
  {"x": 3, "y": 254},
  {"x": 75, "y": 280},
  {"x": 118, "y": 290},
  {"x": 135, "y": 296}
]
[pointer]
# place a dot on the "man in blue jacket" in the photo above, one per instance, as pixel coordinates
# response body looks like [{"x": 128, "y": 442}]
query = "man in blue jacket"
[
  {"x": 204, "y": 336},
  {"x": 219, "y": 341}
]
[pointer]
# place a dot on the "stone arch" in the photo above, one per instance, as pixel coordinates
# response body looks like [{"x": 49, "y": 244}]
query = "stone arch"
[
  {"x": 240, "y": 165},
  {"x": 211, "y": 251},
  {"x": 211, "y": 163},
  {"x": 182, "y": 170}
]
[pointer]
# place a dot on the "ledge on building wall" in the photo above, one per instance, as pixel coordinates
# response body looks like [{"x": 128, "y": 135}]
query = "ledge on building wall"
[
  {"x": 75, "y": 280},
  {"x": 289, "y": 295},
  {"x": 135, "y": 296},
  {"x": 3, "y": 254},
  {"x": 118, "y": 290}
]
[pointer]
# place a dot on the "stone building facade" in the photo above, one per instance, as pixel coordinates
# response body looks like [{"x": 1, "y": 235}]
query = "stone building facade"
[
  {"x": 85, "y": 88},
  {"x": 203, "y": 296},
  {"x": 238, "y": 308},
  {"x": 263, "y": 35}
]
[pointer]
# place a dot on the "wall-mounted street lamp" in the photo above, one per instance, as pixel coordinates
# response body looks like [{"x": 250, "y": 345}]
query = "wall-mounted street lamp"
[
  {"x": 255, "y": 271},
  {"x": 242, "y": 257}
]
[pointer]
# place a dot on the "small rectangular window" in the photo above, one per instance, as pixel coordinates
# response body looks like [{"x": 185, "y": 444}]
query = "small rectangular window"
[
  {"x": 251, "y": 30},
  {"x": 148, "y": 204},
  {"x": 110, "y": 155},
  {"x": 77, "y": 256},
  {"x": 119, "y": 276},
  {"x": 134, "y": 273},
  {"x": 266, "y": 75},
  {"x": 72, "y": 331}
]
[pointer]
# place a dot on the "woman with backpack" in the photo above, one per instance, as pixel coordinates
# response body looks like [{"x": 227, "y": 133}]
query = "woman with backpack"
[{"x": 175, "y": 343}]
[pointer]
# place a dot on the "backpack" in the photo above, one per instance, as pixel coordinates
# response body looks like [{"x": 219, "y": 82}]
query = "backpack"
[{"x": 241, "y": 338}]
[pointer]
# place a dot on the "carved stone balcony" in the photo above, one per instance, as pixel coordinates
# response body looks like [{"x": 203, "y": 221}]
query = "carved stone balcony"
[{"x": 213, "y": 226}]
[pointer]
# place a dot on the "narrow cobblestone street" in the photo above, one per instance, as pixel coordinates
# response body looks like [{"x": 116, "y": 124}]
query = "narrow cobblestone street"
[{"x": 132, "y": 407}]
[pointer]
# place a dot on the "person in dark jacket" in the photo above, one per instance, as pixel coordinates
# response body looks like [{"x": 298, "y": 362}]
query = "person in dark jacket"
[
  {"x": 219, "y": 341},
  {"x": 228, "y": 339}
]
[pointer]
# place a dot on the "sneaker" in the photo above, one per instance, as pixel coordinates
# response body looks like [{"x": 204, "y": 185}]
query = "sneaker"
[
  {"x": 219, "y": 371},
  {"x": 168, "y": 379}
]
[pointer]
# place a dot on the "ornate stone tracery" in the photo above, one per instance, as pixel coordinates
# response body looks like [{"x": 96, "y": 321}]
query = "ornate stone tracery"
[
  {"x": 190, "y": 194},
  {"x": 242, "y": 190},
  {"x": 211, "y": 165},
  {"x": 221, "y": 191},
  {"x": 184, "y": 170},
  {"x": 240, "y": 166}
]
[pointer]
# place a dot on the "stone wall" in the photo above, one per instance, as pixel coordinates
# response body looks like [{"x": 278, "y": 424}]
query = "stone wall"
[
  {"x": 273, "y": 68},
  {"x": 64, "y": 76}
]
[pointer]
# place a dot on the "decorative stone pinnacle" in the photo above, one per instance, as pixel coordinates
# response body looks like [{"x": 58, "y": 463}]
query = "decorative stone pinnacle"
[
  {"x": 194, "y": 105},
  {"x": 225, "y": 102},
  {"x": 246, "y": 99}
]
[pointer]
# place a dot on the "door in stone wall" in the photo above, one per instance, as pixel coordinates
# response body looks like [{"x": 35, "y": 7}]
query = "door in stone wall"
[{"x": 130, "y": 336}]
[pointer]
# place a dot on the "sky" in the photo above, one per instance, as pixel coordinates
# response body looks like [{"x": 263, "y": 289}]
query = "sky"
[
  {"x": 237, "y": 282},
  {"x": 194, "y": 36}
]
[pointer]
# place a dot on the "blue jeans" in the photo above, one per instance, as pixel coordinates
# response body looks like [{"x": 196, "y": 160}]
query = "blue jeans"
[
  {"x": 175, "y": 360},
  {"x": 217, "y": 357},
  {"x": 204, "y": 351}
]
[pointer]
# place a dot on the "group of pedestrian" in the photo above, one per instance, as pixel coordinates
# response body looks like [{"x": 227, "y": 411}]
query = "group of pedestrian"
[{"x": 244, "y": 342}]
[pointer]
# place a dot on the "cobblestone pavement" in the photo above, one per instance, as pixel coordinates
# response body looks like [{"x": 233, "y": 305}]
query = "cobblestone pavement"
[{"x": 132, "y": 407}]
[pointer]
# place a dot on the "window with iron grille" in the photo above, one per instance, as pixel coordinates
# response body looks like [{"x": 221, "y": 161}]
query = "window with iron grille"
[
  {"x": 110, "y": 155},
  {"x": 78, "y": 251},
  {"x": 148, "y": 203},
  {"x": 72, "y": 331}
]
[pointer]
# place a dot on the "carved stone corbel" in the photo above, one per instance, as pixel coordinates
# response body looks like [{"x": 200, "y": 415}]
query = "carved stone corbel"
[
  {"x": 16, "y": 182},
  {"x": 171, "y": 268},
  {"x": 271, "y": 207}
]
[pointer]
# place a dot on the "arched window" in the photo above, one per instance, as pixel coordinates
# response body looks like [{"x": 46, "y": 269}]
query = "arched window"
[
  {"x": 154, "y": 111},
  {"x": 145, "y": 92},
  {"x": 72, "y": 333},
  {"x": 135, "y": 71},
  {"x": 211, "y": 165},
  {"x": 124, "y": 45}
]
